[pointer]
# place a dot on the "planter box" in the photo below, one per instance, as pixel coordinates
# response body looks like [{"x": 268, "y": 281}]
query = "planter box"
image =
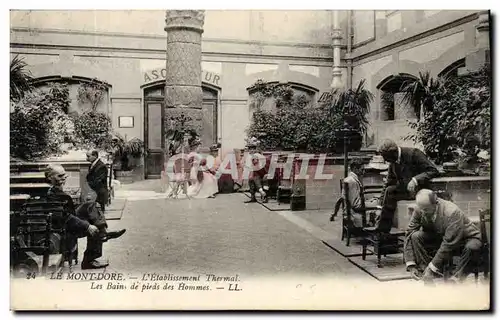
[{"x": 136, "y": 174}]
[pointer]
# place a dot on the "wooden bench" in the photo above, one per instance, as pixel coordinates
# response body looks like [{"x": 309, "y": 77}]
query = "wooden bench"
[
  {"x": 33, "y": 189},
  {"x": 31, "y": 238}
]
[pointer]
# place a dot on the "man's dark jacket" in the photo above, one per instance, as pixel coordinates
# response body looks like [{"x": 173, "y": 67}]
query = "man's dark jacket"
[
  {"x": 74, "y": 224},
  {"x": 97, "y": 178},
  {"x": 413, "y": 164}
]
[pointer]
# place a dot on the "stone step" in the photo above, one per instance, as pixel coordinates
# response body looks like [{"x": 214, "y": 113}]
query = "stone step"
[{"x": 28, "y": 177}]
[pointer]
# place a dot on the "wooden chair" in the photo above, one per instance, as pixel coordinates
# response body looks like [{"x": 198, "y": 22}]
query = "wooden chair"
[
  {"x": 381, "y": 243},
  {"x": 348, "y": 228},
  {"x": 485, "y": 228},
  {"x": 27, "y": 245}
]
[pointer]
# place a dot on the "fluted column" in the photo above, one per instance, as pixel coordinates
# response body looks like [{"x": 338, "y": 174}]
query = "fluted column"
[
  {"x": 337, "y": 82},
  {"x": 183, "y": 93}
]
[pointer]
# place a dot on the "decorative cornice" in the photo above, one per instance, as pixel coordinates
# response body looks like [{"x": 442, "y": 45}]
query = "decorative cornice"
[
  {"x": 206, "y": 54},
  {"x": 162, "y": 38},
  {"x": 184, "y": 19}
]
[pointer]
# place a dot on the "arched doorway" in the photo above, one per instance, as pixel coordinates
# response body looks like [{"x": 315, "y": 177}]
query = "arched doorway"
[{"x": 154, "y": 124}]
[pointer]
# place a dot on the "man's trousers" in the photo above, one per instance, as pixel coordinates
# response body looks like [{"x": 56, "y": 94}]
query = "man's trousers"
[
  {"x": 390, "y": 199},
  {"x": 420, "y": 247},
  {"x": 255, "y": 185}
]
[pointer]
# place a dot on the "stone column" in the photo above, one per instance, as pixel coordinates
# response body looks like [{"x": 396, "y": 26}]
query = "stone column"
[
  {"x": 337, "y": 82},
  {"x": 481, "y": 54},
  {"x": 183, "y": 94}
]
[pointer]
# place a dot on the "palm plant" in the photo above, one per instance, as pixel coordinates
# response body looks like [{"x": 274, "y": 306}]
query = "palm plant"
[
  {"x": 348, "y": 111},
  {"x": 353, "y": 105},
  {"x": 20, "y": 79},
  {"x": 421, "y": 93}
]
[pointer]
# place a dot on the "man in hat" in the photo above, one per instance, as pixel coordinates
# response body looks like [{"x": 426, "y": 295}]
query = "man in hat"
[
  {"x": 409, "y": 171},
  {"x": 87, "y": 220}
]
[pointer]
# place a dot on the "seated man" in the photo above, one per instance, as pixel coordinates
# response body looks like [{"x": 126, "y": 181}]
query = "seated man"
[
  {"x": 436, "y": 229},
  {"x": 409, "y": 171},
  {"x": 257, "y": 180},
  {"x": 87, "y": 220},
  {"x": 355, "y": 186}
]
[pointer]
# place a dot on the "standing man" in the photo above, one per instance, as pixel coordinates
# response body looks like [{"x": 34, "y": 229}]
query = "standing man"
[
  {"x": 409, "y": 171},
  {"x": 437, "y": 229},
  {"x": 97, "y": 178}
]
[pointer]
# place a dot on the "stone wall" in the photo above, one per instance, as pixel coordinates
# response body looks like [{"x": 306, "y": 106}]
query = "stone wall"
[{"x": 470, "y": 194}]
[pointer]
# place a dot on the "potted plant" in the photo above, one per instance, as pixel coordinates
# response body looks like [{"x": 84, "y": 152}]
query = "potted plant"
[
  {"x": 178, "y": 127},
  {"x": 127, "y": 155}
]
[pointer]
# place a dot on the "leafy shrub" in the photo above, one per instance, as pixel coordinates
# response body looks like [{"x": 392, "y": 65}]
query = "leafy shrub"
[
  {"x": 457, "y": 120},
  {"x": 40, "y": 124},
  {"x": 92, "y": 93},
  {"x": 38, "y": 127},
  {"x": 297, "y": 124},
  {"x": 92, "y": 130}
]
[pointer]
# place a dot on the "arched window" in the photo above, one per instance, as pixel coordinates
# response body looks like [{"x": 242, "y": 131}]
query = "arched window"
[
  {"x": 73, "y": 84},
  {"x": 392, "y": 105},
  {"x": 303, "y": 94},
  {"x": 452, "y": 69}
]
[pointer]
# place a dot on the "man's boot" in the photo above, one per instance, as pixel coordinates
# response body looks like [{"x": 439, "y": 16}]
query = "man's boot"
[
  {"x": 94, "y": 264},
  {"x": 113, "y": 234}
]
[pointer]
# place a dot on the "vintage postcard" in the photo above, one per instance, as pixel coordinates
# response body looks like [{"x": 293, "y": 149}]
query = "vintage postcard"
[{"x": 250, "y": 159}]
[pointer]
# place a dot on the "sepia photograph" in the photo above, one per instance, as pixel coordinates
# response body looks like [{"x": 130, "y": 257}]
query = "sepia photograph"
[{"x": 250, "y": 159}]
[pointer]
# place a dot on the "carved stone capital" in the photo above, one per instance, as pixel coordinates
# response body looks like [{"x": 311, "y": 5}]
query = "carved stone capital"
[
  {"x": 336, "y": 34},
  {"x": 185, "y": 19},
  {"x": 483, "y": 21}
]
